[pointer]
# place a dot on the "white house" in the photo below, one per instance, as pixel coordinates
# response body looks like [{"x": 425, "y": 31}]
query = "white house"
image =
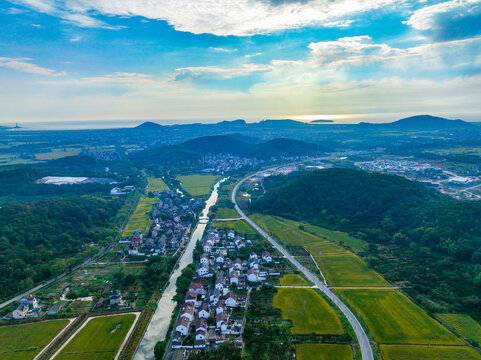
[
  {"x": 182, "y": 325},
  {"x": 200, "y": 335},
  {"x": 204, "y": 259},
  {"x": 221, "y": 322},
  {"x": 231, "y": 301},
  {"x": 204, "y": 311},
  {"x": 252, "y": 275},
  {"x": 220, "y": 308},
  {"x": 187, "y": 312},
  {"x": 203, "y": 270},
  {"x": 266, "y": 257},
  {"x": 234, "y": 278}
]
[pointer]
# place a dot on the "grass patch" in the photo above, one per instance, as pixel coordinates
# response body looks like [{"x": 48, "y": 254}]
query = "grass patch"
[
  {"x": 100, "y": 338},
  {"x": 156, "y": 184},
  {"x": 25, "y": 341},
  {"x": 323, "y": 352},
  {"x": 409, "y": 352},
  {"x": 225, "y": 213},
  {"x": 393, "y": 318},
  {"x": 239, "y": 226},
  {"x": 464, "y": 325},
  {"x": 140, "y": 219},
  {"x": 197, "y": 185},
  {"x": 293, "y": 280},
  {"x": 308, "y": 311}
]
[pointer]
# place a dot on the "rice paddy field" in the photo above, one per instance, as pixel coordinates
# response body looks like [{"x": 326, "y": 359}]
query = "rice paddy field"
[
  {"x": 140, "y": 219},
  {"x": 99, "y": 339},
  {"x": 340, "y": 266},
  {"x": 293, "y": 280},
  {"x": 239, "y": 226},
  {"x": 25, "y": 341},
  {"x": 308, "y": 311},
  {"x": 416, "y": 352},
  {"x": 197, "y": 185},
  {"x": 463, "y": 324},
  {"x": 323, "y": 352},
  {"x": 225, "y": 213},
  {"x": 394, "y": 319},
  {"x": 338, "y": 237},
  {"x": 156, "y": 184}
]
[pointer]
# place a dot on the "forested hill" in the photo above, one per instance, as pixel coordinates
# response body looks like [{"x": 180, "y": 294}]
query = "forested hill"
[
  {"x": 416, "y": 236},
  {"x": 42, "y": 239},
  {"x": 343, "y": 197}
]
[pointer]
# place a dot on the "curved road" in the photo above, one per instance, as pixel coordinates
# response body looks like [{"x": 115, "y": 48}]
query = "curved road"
[{"x": 364, "y": 344}]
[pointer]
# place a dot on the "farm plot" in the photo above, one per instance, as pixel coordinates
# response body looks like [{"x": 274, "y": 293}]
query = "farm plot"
[
  {"x": 338, "y": 237},
  {"x": 25, "y": 341},
  {"x": 344, "y": 268},
  {"x": 239, "y": 226},
  {"x": 156, "y": 184},
  {"x": 293, "y": 280},
  {"x": 340, "y": 266},
  {"x": 464, "y": 325},
  {"x": 323, "y": 352},
  {"x": 225, "y": 213},
  {"x": 197, "y": 185},
  {"x": 393, "y": 318},
  {"x": 100, "y": 338},
  {"x": 416, "y": 352},
  {"x": 140, "y": 219},
  {"x": 308, "y": 311}
]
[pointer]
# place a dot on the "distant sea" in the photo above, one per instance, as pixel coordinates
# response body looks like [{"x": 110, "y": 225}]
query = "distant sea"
[{"x": 99, "y": 124}]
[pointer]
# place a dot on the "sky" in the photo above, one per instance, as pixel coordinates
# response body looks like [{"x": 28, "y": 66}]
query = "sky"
[{"x": 206, "y": 60}]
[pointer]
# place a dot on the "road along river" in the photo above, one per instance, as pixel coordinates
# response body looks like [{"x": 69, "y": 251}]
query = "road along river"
[
  {"x": 159, "y": 324},
  {"x": 362, "y": 338}
]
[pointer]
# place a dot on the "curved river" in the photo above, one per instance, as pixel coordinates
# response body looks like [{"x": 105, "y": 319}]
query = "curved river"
[{"x": 159, "y": 324}]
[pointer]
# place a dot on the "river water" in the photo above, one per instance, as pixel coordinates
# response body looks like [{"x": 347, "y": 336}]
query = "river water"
[{"x": 159, "y": 324}]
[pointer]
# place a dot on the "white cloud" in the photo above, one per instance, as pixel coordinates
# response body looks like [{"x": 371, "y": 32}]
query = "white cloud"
[
  {"x": 216, "y": 72},
  {"x": 118, "y": 78},
  {"x": 223, "y": 17},
  {"x": 449, "y": 19},
  {"x": 253, "y": 55},
  {"x": 23, "y": 64},
  {"x": 225, "y": 50},
  {"x": 76, "y": 38}
]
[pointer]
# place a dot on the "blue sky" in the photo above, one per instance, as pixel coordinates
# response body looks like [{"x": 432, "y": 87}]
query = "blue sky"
[{"x": 178, "y": 61}]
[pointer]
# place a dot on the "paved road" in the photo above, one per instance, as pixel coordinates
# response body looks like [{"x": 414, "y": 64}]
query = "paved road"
[{"x": 363, "y": 340}]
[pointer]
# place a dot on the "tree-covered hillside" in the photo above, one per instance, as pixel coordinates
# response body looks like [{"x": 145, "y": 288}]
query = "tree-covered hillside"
[
  {"x": 42, "y": 239},
  {"x": 416, "y": 235}
]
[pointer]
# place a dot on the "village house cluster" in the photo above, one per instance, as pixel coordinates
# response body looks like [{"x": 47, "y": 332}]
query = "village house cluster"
[
  {"x": 213, "y": 308},
  {"x": 173, "y": 215},
  {"x": 220, "y": 163}
]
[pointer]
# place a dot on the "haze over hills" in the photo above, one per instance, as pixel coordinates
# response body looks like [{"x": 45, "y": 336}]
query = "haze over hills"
[{"x": 422, "y": 122}]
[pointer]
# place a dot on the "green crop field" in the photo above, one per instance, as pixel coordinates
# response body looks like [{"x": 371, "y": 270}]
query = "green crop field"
[
  {"x": 287, "y": 234},
  {"x": 197, "y": 185},
  {"x": 24, "y": 342},
  {"x": 338, "y": 237},
  {"x": 344, "y": 268},
  {"x": 308, "y": 311},
  {"x": 393, "y": 318},
  {"x": 156, "y": 184},
  {"x": 99, "y": 339},
  {"x": 463, "y": 324},
  {"x": 293, "y": 280},
  {"x": 417, "y": 352},
  {"x": 140, "y": 219},
  {"x": 239, "y": 226},
  {"x": 225, "y": 213},
  {"x": 323, "y": 352},
  {"x": 340, "y": 266}
]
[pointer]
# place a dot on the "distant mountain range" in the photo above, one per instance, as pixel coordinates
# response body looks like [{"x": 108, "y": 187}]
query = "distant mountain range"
[
  {"x": 422, "y": 122},
  {"x": 413, "y": 123}
]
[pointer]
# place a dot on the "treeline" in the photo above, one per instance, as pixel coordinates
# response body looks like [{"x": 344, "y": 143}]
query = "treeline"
[
  {"x": 42, "y": 239},
  {"x": 416, "y": 235}
]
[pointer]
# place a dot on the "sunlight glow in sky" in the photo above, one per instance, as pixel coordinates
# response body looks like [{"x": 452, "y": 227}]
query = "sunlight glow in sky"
[{"x": 353, "y": 60}]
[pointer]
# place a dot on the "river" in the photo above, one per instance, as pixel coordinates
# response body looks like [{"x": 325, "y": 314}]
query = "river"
[{"x": 159, "y": 324}]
